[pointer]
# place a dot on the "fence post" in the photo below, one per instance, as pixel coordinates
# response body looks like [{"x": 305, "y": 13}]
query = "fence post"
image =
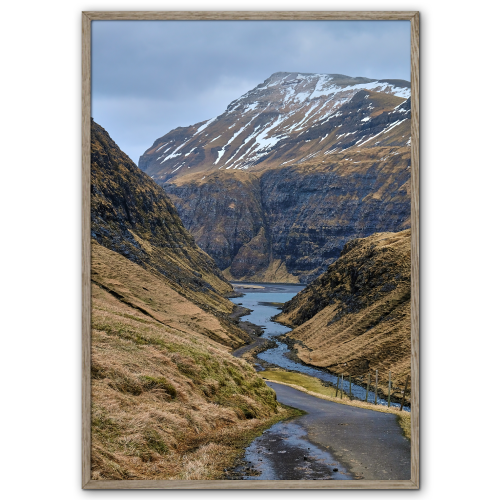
[
  {"x": 389, "y": 396},
  {"x": 376, "y": 385},
  {"x": 404, "y": 393},
  {"x": 341, "y": 386},
  {"x": 337, "y": 390},
  {"x": 350, "y": 393},
  {"x": 367, "y": 388}
]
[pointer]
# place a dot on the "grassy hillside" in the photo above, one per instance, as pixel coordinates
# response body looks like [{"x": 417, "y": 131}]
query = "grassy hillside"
[
  {"x": 168, "y": 400},
  {"x": 133, "y": 216},
  {"x": 355, "y": 318}
]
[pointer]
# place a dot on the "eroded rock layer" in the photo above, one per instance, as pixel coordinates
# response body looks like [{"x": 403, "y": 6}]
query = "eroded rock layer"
[{"x": 274, "y": 187}]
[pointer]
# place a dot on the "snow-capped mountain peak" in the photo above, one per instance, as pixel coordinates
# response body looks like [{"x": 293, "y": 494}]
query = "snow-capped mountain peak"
[{"x": 288, "y": 118}]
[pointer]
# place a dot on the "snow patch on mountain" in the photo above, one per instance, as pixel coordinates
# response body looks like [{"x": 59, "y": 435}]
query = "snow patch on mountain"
[
  {"x": 203, "y": 127},
  {"x": 219, "y": 156}
]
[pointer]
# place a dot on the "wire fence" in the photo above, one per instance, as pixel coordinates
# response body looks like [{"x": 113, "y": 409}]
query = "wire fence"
[{"x": 372, "y": 390}]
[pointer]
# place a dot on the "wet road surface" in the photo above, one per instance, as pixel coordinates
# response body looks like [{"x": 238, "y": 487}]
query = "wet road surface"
[
  {"x": 369, "y": 444},
  {"x": 332, "y": 441},
  {"x": 283, "y": 452}
]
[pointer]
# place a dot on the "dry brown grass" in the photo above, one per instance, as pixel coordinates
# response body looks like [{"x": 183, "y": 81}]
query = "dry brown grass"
[
  {"x": 355, "y": 318},
  {"x": 152, "y": 295},
  {"x": 168, "y": 402},
  {"x": 384, "y": 102}
]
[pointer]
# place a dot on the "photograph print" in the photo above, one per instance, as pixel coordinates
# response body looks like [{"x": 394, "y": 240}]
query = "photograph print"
[{"x": 252, "y": 244}]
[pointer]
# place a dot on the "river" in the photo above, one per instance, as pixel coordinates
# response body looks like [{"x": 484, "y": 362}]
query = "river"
[{"x": 260, "y": 301}]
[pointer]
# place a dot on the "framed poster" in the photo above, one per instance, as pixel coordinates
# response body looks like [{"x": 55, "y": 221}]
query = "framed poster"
[{"x": 250, "y": 250}]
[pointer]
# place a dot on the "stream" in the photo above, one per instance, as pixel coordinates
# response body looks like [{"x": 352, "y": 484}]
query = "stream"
[{"x": 261, "y": 301}]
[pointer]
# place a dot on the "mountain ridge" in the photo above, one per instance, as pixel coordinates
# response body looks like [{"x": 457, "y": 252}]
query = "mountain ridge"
[
  {"x": 266, "y": 119},
  {"x": 132, "y": 216}
]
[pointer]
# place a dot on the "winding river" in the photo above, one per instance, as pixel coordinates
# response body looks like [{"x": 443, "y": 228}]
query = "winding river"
[{"x": 261, "y": 301}]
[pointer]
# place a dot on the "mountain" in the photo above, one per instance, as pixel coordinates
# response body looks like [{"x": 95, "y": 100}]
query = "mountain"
[
  {"x": 274, "y": 187},
  {"x": 355, "y": 318},
  {"x": 132, "y": 215},
  {"x": 169, "y": 401},
  {"x": 290, "y": 117}
]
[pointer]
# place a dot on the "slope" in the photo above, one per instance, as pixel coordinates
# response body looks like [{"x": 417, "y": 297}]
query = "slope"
[
  {"x": 289, "y": 117},
  {"x": 133, "y": 216},
  {"x": 355, "y": 318},
  {"x": 168, "y": 400}
]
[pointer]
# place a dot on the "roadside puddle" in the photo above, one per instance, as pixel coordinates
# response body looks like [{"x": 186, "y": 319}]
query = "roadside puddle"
[{"x": 283, "y": 453}]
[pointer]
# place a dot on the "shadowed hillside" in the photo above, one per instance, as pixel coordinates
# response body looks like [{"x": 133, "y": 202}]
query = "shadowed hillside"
[{"x": 133, "y": 216}]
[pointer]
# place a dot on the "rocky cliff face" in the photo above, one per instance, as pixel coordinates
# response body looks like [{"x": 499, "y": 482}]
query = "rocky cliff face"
[
  {"x": 132, "y": 216},
  {"x": 274, "y": 187},
  {"x": 355, "y": 318},
  {"x": 289, "y": 224}
]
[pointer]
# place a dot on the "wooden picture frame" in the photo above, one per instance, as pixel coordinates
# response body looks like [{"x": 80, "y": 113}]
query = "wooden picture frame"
[{"x": 87, "y": 483}]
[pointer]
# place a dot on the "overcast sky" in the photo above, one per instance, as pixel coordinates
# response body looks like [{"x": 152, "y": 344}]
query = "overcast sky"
[{"x": 149, "y": 77}]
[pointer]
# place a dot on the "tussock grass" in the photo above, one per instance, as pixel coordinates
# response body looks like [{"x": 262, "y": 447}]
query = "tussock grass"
[
  {"x": 168, "y": 402},
  {"x": 312, "y": 385}
]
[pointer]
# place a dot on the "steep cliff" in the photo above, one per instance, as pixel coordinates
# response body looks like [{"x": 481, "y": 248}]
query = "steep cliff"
[
  {"x": 274, "y": 187},
  {"x": 290, "y": 223},
  {"x": 132, "y": 216},
  {"x": 355, "y": 318}
]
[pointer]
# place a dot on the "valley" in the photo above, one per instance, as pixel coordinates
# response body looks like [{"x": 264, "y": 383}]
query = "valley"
[
  {"x": 168, "y": 398},
  {"x": 303, "y": 448},
  {"x": 247, "y": 263}
]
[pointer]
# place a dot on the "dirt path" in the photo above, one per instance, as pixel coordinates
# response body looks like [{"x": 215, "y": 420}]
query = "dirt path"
[{"x": 369, "y": 444}]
